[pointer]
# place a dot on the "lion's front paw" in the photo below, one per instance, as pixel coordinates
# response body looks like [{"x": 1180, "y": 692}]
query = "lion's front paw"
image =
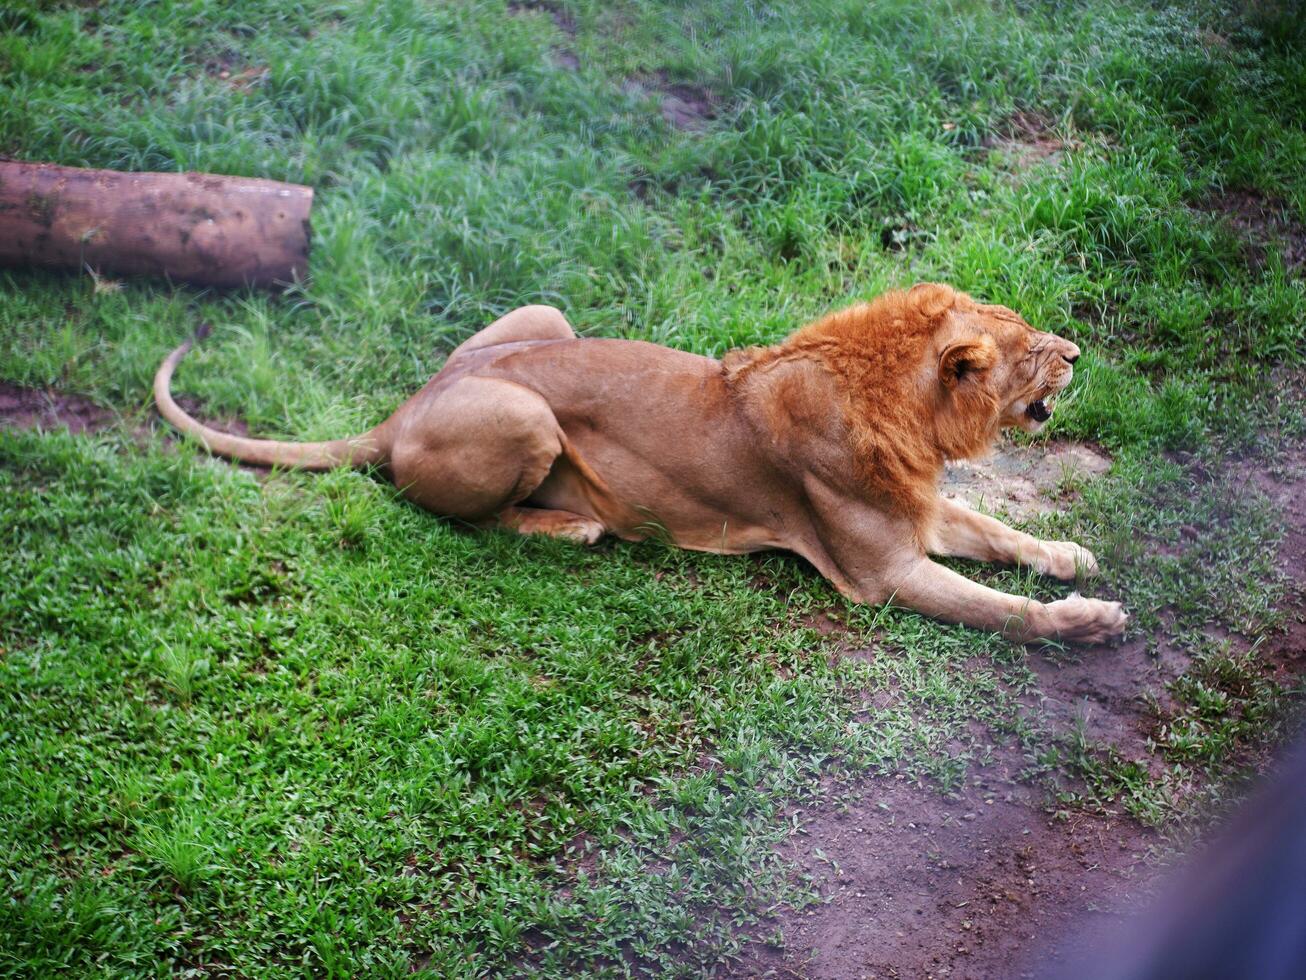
[
  {"x": 1079, "y": 620},
  {"x": 1065, "y": 560}
]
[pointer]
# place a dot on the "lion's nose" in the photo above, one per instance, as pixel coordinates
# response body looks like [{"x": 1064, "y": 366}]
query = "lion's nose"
[{"x": 1071, "y": 355}]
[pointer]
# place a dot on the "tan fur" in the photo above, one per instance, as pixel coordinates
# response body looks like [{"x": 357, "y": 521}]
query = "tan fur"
[{"x": 829, "y": 444}]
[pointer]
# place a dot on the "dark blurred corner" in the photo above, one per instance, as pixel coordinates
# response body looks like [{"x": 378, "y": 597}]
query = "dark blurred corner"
[{"x": 1234, "y": 910}]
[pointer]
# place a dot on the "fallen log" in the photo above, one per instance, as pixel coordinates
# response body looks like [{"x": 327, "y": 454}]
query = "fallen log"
[{"x": 200, "y": 228}]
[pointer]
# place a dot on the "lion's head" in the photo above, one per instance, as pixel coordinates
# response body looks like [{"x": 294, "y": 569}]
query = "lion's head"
[
  {"x": 927, "y": 375},
  {"x": 1021, "y": 369}
]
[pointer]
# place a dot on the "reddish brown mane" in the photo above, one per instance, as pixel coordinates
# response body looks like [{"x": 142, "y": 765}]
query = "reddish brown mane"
[{"x": 903, "y": 420}]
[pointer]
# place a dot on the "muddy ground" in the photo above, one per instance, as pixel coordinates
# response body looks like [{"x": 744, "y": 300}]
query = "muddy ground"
[
  {"x": 22, "y": 407},
  {"x": 990, "y": 882},
  {"x": 37, "y": 408},
  {"x": 1263, "y": 224},
  {"x": 1019, "y": 481},
  {"x": 981, "y": 884}
]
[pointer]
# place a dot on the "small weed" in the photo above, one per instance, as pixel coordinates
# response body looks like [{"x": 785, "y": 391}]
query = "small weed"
[
  {"x": 178, "y": 854},
  {"x": 182, "y": 669}
]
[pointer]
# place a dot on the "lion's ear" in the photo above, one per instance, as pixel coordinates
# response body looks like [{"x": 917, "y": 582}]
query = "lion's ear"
[
  {"x": 932, "y": 298},
  {"x": 963, "y": 357}
]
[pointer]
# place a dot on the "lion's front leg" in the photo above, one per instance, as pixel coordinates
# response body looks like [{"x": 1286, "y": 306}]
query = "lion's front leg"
[
  {"x": 930, "y": 588},
  {"x": 960, "y": 532},
  {"x": 874, "y": 556}
]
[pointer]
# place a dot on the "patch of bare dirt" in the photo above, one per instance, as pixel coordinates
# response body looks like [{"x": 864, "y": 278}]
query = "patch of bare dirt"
[
  {"x": 1027, "y": 138},
  {"x": 562, "y": 57},
  {"x": 1264, "y": 223},
  {"x": 1024, "y": 480},
  {"x": 1284, "y": 483},
  {"x": 46, "y": 408},
  {"x": 1105, "y": 693},
  {"x": 229, "y": 66},
  {"x": 980, "y": 884},
  {"x": 562, "y": 18},
  {"x": 1124, "y": 705},
  {"x": 686, "y": 107}
]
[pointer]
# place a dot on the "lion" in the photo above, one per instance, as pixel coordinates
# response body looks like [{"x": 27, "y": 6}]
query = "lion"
[{"x": 829, "y": 444}]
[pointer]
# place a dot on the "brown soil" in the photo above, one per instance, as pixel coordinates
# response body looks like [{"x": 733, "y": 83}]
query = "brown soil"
[
  {"x": 988, "y": 883},
  {"x": 562, "y": 19},
  {"x": 981, "y": 884},
  {"x": 1264, "y": 223},
  {"x": 687, "y": 107},
  {"x": 561, "y": 57},
  {"x": 1027, "y": 138},
  {"x": 36, "y": 408},
  {"x": 1109, "y": 705},
  {"x": 1285, "y": 485},
  {"x": 46, "y": 408},
  {"x": 1024, "y": 480},
  {"x": 229, "y": 66}
]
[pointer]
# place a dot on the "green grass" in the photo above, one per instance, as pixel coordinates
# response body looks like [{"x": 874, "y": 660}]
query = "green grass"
[{"x": 291, "y": 725}]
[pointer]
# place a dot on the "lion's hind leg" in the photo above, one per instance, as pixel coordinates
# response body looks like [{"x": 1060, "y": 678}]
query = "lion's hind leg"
[
  {"x": 479, "y": 448},
  {"x": 526, "y": 323}
]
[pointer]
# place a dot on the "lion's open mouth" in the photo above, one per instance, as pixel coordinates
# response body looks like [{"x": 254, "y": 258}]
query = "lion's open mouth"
[{"x": 1039, "y": 411}]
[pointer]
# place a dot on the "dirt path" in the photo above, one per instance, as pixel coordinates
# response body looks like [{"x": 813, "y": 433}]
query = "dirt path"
[
  {"x": 28, "y": 408},
  {"x": 916, "y": 885},
  {"x": 988, "y": 884},
  {"x": 49, "y": 408}
]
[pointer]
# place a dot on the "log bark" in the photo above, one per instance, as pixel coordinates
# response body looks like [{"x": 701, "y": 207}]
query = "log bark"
[{"x": 200, "y": 228}]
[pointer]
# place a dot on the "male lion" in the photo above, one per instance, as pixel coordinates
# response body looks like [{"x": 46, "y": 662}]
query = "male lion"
[{"x": 829, "y": 444}]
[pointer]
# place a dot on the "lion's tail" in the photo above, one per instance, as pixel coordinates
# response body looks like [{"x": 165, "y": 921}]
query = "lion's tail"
[{"x": 361, "y": 450}]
